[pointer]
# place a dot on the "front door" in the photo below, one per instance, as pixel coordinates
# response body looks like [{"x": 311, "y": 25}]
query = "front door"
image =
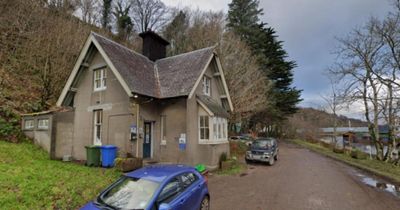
[{"x": 147, "y": 140}]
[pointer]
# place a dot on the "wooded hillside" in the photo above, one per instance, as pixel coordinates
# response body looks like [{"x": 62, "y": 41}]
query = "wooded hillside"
[{"x": 41, "y": 39}]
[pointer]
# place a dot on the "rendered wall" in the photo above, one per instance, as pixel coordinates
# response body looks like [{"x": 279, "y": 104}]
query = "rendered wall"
[
  {"x": 117, "y": 112},
  {"x": 41, "y": 137}
]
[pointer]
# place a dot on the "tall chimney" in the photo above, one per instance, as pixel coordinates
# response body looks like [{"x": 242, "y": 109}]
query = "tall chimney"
[{"x": 154, "y": 46}]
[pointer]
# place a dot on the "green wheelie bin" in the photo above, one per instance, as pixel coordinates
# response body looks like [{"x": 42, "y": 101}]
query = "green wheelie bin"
[{"x": 93, "y": 155}]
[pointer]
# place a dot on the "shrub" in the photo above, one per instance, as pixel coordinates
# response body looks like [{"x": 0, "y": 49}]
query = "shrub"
[
  {"x": 326, "y": 145},
  {"x": 223, "y": 157},
  {"x": 10, "y": 126},
  {"x": 337, "y": 150},
  {"x": 357, "y": 154}
]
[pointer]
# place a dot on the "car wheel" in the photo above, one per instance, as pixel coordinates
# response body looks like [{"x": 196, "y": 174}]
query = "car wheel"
[
  {"x": 205, "y": 203},
  {"x": 247, "y": 161},
  {"x": 276, "y": 157},
  {"x": 271, "y": 161}
]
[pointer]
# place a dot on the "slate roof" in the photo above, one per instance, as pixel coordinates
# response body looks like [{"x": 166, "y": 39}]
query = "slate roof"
[
  {"x": 166, "y": 78},
  {"x": 178, "y": 74},
  {"x": 213, "y": 106}
]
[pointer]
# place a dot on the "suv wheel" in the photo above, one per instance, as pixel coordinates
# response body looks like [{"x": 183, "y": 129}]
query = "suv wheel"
[
  {"x": 271, "y": 161},
  {"x": 276, "y": 157},
  {"x": 205, "y": 203}
]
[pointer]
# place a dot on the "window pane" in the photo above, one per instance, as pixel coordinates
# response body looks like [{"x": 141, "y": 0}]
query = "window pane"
[
  {"x": 207, "y": 133},
  {"x": 223, "y": 129},
  {"x": 201, "y": 121},
  {"x": 100, "y": 78},
  {"x": 169, "y": 192},
  {"x": 98, "y": 133},
  {"x": 206, "y": 121},
  {"x": 215, "y": 130},
  {"x": 202, "y": 133}
]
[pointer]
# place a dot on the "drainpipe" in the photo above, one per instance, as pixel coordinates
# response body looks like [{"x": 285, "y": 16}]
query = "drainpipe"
[{"x": 137, "y": 130}]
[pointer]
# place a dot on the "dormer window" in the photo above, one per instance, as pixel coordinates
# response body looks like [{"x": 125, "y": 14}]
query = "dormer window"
[
  {"x": 99, "y": 79},
  {"x": 206, "y": 86}
]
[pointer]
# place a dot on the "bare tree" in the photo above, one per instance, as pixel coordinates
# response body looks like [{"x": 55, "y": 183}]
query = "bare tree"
[
  {"x": 334, "y": 103},
  {"x": 88, "y": 10},
  {"x": 149, "y": 14},
  {"x": 388, "y": 31},
  {"x": 359, "y": 61}
]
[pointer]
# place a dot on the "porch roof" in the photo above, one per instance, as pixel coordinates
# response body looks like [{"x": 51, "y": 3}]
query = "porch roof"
[{"x": 213, "y": 106}]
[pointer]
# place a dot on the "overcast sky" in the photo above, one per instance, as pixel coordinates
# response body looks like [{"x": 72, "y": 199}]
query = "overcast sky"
[{"x": 308, "y": 29}]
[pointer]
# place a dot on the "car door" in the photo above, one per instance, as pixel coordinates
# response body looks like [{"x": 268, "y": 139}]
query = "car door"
[
  {"x": 191, "y": 195},
  {"x": 170, "y": 194}
]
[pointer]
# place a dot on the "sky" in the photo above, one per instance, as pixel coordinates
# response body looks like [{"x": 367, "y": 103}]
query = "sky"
[{"x": 308, "y": 29}]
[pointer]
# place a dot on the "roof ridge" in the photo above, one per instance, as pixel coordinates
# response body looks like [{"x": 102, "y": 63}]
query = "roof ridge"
[
  {"x": 182, "y": 54},
  {"x": 121, "y": 45}
]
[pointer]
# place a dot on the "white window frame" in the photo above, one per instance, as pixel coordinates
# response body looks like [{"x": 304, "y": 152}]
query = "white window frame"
[
  {"x": 97, "y": 126},
  {"x": 218, "y": 128},
  {"x": 203, "y": 128},
  {"x": 29, "y": 124},
  {"x": 206, "y": 85},
  {"x": 99, "y": 80},
  {"x": 43, "y": 124}
]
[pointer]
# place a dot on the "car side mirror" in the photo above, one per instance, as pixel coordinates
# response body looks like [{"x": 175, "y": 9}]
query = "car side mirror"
[{"x": 164, "y": 206}]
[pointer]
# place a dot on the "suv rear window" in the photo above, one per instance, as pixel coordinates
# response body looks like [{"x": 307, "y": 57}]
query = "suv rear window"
[{"x": 263, "y": 144}]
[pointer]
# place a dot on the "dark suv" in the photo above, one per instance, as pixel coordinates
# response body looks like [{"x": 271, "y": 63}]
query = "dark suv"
[{"x": 263, "y": 150}]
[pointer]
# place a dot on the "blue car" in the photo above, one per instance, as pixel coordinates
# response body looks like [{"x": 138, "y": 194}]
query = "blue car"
[{"x": 156, "y": 187}]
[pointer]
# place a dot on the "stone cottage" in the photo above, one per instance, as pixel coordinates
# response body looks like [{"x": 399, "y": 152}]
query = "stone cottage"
[{"x": 166, "y": 109}]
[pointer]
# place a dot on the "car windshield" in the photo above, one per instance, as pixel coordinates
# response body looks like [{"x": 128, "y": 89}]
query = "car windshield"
[
  {"x": 129, "y": 193},
  {"x": 262, "y": 144}
]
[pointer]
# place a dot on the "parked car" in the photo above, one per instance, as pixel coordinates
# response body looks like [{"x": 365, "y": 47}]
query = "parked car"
[
  {"x": 156, "y": 187},
  {"x": 245, "y": 139},
  {"x": 263, "y": 150}
]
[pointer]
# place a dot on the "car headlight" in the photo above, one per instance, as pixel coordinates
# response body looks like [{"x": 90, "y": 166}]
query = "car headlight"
[{"x": 248, "y": 152}]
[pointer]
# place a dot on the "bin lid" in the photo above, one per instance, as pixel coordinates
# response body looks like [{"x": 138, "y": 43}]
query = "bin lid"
[
  {"x": 200, "y": 167},
  {"x": 92, "y": 146},
  {"x": 108, "y": 147}
]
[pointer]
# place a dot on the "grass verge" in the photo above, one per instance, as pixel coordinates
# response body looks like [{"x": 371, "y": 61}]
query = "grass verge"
[
  {"x": 236, "y": 168},
  {"x": 30, "y": 180},
  {"x": 379, "y": 168}
]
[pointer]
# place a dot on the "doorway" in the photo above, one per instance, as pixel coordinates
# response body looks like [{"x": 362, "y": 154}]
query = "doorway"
[{"x": 147, "y": 140}]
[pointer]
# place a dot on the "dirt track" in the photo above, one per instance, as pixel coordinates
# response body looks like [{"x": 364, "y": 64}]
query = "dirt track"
[{"x": 300, "y": 179}]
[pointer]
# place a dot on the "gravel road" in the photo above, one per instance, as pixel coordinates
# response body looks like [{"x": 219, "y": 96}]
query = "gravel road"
[{"x": 300, "y": 179}]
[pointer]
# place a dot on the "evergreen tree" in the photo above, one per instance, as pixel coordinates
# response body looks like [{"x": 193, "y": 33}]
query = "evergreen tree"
[
  {"x": 243, "y": 19},
  {"x": 123, "y": 21},
  {"x": 176, "y": 33},
  {"x": 106, "y": 14}
]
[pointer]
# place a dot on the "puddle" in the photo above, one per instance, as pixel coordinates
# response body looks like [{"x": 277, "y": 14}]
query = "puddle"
[
  {"x": 243, "y": 174},
  {"x": 393, "y": 189}
]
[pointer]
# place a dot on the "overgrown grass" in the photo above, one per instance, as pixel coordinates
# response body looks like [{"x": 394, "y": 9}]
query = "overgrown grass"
[
  {"x": 378, "y": 167},
  {"x": 29, "y": 180},
  {"x": 235, "y": 169}
]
